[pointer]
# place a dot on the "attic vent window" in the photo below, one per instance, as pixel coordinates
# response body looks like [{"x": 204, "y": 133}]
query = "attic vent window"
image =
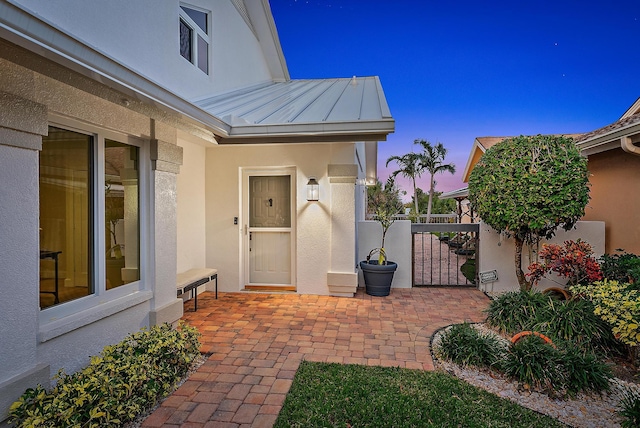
[{"x": 194, "y": 37}]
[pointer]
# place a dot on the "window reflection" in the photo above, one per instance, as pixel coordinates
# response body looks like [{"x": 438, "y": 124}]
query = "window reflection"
[
  {"x": 65, "y": 212},
  {"x": 121, "y": 215}
]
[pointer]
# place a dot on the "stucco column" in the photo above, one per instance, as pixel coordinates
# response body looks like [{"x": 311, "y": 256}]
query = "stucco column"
[
  {"x": 166, "y": 159},
  {"x": 342, "y": 278},
  {"x": 22, "y": 125}
]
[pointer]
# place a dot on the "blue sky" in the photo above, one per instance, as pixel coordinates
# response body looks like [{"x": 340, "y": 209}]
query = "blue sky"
[{"x": 453, "y": 71}]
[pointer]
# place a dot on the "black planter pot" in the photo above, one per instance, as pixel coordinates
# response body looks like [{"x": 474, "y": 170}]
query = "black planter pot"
[{"x": 377, "y": 278}]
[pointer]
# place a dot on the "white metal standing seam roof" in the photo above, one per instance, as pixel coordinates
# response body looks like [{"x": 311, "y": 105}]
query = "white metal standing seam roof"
[{"x": 335, "y": 109}]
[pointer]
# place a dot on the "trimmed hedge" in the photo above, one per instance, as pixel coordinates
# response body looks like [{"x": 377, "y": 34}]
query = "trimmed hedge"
[{"x": 122, "y": 382}]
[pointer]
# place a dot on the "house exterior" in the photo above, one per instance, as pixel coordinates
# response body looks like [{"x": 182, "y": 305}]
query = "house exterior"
[
  {"x": 142, "y": 139},
  {"x": 613, "y": 153}
]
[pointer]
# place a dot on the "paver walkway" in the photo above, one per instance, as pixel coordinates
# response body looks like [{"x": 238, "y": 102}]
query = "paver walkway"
[{"x": 258, "y": 340}]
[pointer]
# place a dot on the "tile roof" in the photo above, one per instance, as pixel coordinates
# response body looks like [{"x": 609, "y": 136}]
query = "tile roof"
[{"x": 617, "y": 125}]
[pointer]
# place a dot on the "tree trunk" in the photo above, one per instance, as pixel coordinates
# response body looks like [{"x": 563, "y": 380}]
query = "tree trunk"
[
  {"x": 522, "y": 280},
  {"x": 415, "y": 199},
  {"x": 431, "y": 186}
]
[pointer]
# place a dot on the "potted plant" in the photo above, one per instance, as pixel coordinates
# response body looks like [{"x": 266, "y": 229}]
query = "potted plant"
[{"x": 384, "y": 204}]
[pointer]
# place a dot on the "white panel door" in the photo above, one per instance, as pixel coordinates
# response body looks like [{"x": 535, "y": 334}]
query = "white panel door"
[{"x": 269, "y": 230}]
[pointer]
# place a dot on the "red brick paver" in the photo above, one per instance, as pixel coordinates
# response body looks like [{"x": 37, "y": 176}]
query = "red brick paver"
[{"x": 258, "y": 340}]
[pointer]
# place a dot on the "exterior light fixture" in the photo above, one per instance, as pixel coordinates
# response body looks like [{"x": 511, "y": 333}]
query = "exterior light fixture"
[{"x": 313, "y": 189}]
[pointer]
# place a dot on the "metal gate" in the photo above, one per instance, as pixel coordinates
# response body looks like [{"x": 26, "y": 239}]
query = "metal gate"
[{"x": 445, "y": 254}]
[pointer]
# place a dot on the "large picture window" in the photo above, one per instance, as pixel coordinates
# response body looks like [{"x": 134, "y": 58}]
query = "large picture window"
[
  {"x": 89, "y": 195},
  {"x": 194, "y": 37}
]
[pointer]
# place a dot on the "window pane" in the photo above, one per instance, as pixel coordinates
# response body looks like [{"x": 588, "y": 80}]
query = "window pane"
[
  {"x": 200, "y": 18},
  {"x": 203, "y": 55},
  {"x": 122, "y": 237},
  {"x": 185, "y": 40},
  {"x": 65, "y": 217}
]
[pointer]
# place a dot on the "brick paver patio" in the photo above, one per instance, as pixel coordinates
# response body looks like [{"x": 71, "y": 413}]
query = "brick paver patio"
[{"x": 258, "y": 340}]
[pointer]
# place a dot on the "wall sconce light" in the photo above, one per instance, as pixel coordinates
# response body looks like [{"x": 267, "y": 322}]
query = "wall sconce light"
[{"x": 313, "y": 189}]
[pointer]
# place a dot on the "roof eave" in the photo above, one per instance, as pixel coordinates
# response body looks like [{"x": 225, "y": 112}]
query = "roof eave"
[
  {"x": 608, "y": 141},
  {"x": 311, "y": 132},
  {"x": 46, "y": 41}
]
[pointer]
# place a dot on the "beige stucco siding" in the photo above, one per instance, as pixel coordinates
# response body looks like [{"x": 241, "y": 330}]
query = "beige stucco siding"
[
  {"x": 314, "y": 219},
  {"x": 615, "y": 198}
]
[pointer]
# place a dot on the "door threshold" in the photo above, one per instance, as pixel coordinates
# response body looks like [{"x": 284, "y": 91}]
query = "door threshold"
[{"x": 270, "y": 288}]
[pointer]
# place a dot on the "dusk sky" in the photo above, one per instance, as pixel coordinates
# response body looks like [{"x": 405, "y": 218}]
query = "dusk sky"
[{"x": 453, "y": 71}]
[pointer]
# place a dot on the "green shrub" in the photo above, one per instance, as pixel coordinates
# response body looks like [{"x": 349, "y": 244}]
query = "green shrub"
[
  {"x": 516, "y": 311},
  {"x": 565, "y": 370},
  {"x": 533, "y": 362},
  {"x": 583, "y": 370},
  {"x": 622, "y": 267},
  {"x": 574, "y": 320},
  {"x": 630, "y": 409},
  {"x": 126, "y": 379},
  {"x": 618, "y": 305},
  {"x": 466, "y": 346}
]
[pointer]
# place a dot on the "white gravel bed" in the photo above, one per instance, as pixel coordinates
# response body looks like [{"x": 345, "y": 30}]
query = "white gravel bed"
[{"x": 585, "y": 410}]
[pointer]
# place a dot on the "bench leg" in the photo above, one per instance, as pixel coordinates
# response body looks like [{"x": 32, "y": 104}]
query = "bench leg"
[{"x": 215, "y": 277}]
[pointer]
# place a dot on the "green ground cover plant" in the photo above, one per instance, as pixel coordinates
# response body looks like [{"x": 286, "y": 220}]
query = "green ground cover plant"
[
  {"x": 630, "y": 409},
  {"x": 516, "y": 311},
  {"x": 123, "y": 381},
  {"x": 574, "y": 321},
  {"x": 466, "y": 346},
  {"x": 336, "y": 395}
]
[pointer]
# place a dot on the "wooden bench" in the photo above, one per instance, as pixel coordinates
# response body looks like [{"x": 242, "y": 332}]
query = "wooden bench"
[{"x": 194, "y": 278}]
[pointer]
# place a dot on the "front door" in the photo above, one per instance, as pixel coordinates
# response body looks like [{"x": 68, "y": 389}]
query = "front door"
[{"x": 268, "y": 234}]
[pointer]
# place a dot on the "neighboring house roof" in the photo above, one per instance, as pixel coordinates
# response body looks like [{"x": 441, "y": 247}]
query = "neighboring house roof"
[
  {"x": 635, "y": 108},
  {"x": 327, "y": 108},
  {"x": 612, "y": 136},
  {"x": 480, "y": 145},
  {"x": 456, "y": 194}
]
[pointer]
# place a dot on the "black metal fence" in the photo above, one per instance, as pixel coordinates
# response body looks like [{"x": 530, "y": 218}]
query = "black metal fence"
[{"x": 445, "y": 254}]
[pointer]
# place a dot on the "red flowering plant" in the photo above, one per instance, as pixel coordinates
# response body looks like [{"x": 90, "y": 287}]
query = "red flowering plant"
[{"x": 573, "y": 261}]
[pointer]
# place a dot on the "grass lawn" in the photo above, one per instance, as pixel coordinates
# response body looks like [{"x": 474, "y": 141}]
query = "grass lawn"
[{"x": 337, "y": 395}]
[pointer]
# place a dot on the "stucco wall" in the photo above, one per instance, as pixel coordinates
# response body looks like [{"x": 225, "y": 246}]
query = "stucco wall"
[
  {"x": 144, "y": 35},
  {"x": 313, "y": 223},
  {"x": 35, "y": 344},
  {"x": 497, "y": 253},
  {"x": 615, "y": 198},
  {"x": 191, "y": 208}
]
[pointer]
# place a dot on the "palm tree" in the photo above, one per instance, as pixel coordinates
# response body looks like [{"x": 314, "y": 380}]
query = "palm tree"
[
  {"x": 432, "y": 159},
  {"x": 411, "y": 166}
]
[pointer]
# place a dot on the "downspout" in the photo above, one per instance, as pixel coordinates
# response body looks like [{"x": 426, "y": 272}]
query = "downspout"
[{"x": 627, "y": 146}]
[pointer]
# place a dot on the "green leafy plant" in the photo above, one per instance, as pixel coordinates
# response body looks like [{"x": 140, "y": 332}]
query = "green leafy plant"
[
  {"x": 123, "y": 381},
  {"x": 384, "y": 204},
  {"x": 621, "y": 267},
  {"x": 574, "y": 261},
  {"x": 527, "y": 187},
  {"x": 584, "y": 371},
  {"x": 465, "y": 345},
  {"x": 619, "y": 305},
  {"x": 534, "y": 363},
  {"x": 565, "y": 369},
  {"x": 575, "y": 321},
  {"x": 516, "y": 310},
  {"x": 630, "y": 408}
]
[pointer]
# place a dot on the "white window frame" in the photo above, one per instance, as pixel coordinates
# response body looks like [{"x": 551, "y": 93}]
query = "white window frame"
[
  {"x": 195, "y": 32},
  {"x": 67, "y": 316}
]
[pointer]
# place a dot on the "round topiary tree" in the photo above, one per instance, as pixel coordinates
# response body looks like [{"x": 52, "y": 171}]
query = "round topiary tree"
[{"x": 527, "y": 187}]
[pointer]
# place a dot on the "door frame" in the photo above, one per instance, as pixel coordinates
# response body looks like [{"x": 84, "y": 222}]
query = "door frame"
[{"x": 245, "y": 173}]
